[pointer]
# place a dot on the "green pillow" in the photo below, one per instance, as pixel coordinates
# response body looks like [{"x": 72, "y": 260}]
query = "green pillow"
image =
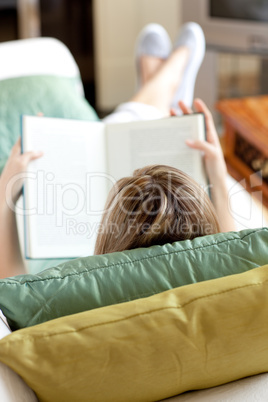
[
  {"x": 96, "y": 281},
  {"x": 52, "y": 95}
]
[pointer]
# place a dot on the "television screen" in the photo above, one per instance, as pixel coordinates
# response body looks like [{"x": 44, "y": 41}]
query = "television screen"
[{"x": 252, "y": 10}]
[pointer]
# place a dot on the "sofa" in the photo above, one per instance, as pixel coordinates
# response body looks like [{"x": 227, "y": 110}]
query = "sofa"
[{"x": 186, "y": 321}]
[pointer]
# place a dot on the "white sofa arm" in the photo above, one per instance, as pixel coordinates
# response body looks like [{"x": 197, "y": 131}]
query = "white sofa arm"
[
  {"x": 12, "y": 387},
  {"x": 37, "y": 56}
]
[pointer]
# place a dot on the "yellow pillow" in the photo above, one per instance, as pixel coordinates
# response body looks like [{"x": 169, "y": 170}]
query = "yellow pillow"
[{"x": 192, "y": 337}]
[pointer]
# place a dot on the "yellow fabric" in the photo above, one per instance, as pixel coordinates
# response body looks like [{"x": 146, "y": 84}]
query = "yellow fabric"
[{"x": 192, "y": 337}]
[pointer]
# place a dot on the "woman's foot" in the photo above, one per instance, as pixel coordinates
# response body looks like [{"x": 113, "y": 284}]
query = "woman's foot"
[
  {"x": 153, "y": 47},
  {"x": 191, "y": 36}
]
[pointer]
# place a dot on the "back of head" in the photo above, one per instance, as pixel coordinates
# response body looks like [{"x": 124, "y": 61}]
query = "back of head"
[{"x": 157, "y": 205}]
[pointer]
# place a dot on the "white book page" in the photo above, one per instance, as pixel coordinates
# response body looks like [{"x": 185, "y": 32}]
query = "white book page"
[
  {"x": 66, "y": 189},
  {"x": 134, "y": 145}
]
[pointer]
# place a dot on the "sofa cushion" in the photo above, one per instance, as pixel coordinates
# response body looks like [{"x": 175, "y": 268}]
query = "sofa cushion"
[
  {"x": 192, "y": 337},
  {"x": 96, "y": 281},
  {"x": 54, "y": 96}
]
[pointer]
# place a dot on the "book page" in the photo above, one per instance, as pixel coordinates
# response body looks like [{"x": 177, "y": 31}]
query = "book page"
[
  {"x": 139, "y": 144},
  {"x": 66, "y": 189}
]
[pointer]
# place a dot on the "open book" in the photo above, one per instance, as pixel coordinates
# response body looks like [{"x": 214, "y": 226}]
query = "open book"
[{"x": 66, "y": 189}]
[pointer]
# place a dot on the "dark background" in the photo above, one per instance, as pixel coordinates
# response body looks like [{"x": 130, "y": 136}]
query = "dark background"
[
  {"x": 70, "y": 21},
  {"x": 255, "y": 10}
]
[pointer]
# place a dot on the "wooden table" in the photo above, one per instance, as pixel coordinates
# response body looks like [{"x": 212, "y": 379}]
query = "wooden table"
[{"x": 245, "y": 142}]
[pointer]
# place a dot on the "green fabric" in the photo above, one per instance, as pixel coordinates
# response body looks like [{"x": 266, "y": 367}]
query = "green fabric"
[
  {"x": 54, "y": 96},
  {"x": 37, "y": 265},
  {"x": 96, "y": 281}
]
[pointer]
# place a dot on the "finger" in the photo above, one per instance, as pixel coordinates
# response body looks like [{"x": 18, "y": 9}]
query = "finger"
[
  {"x": 207, "y": 148},
  {"x": 185, "y": 109},
  {"x": 201, "y": 107},
  {"x": 173, "y": 112},
  {"x": 30, "y": 156},
  {"x": 40, "y": 114},
  {"x": 16, "y": 149}
]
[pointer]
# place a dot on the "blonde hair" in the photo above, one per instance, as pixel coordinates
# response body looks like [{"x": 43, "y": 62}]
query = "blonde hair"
[{"x": 157, "y": 205}]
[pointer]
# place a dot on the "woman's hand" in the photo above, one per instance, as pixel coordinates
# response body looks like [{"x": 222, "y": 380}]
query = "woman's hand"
[
  {"x": 215, "y": 165},
  {"x": 13, "y": 172},
  {"x": 11, "y": 181},
  {"x": 213, "y": 155}
]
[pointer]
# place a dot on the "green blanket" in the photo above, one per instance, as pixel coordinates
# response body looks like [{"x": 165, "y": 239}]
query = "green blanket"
[{"x": 54, "y": 96}]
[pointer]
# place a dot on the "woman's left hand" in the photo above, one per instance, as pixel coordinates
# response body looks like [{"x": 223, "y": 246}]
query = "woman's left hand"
[
  {"x": 213, "y": 155},
  {"x": 215, "y": 165}
]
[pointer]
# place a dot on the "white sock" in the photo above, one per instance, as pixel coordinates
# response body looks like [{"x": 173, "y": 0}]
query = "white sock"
[{"x": 191, "y": 36}]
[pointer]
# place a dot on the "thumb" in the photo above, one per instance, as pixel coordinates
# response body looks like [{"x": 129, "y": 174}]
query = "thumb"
[
  {"x": 208, "y": 149},
  {"x": 30, "y": 156}
]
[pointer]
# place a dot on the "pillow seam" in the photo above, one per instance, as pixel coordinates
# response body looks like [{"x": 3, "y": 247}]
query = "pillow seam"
[
  {"x": 155, "y": 310},
  {"x": 133, "y": 261}
]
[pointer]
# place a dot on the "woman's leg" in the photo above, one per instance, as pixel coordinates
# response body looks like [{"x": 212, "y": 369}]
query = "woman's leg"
[
  {"x": 163, "y": 81},
  {"x": 153, "y": 47},
  {"x": 153, "y": 99},
  {"x": 160, "y": 89}
]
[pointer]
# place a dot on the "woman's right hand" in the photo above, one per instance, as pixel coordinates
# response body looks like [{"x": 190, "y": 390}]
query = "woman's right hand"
[{"x": 15, "y": 167}]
